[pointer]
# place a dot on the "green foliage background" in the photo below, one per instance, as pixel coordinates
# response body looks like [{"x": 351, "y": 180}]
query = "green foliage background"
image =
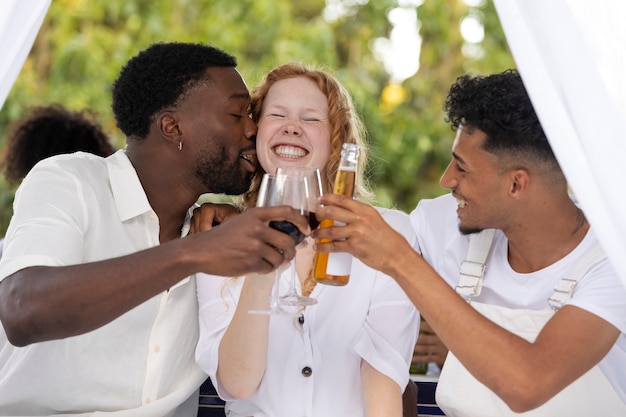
[{"x": 83, "y": 44}]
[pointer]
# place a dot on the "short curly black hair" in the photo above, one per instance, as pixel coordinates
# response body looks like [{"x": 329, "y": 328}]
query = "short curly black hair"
[
  {"x": 157, "y": 78},
  {"x": 50, "y": 130},
  {"x": 499, "y": 105}
]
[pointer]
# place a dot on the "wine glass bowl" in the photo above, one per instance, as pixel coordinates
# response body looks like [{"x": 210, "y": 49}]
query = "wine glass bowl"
[
  {"x": 279, "y": 190},
  {"x": 284, "y": 189},
  {"x": 313, "y": 192},
  {"x": 313, "y": 184}
]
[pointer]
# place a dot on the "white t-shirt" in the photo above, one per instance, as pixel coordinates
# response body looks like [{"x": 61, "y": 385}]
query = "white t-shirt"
[
  {"x": 368, "y": 319},
  {"x": 80, "y": 208},
  {"x": 600, "y": 291}
]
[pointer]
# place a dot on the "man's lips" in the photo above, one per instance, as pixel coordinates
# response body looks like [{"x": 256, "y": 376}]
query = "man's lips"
[{"x": 251, "y": 161}]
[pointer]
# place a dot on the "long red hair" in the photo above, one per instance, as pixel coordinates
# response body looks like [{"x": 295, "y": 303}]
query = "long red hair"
[{"x": 345, "y": 125}]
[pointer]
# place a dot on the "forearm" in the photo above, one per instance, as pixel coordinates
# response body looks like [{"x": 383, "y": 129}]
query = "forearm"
[
  {"x": 382, "y": 395},
  {"x": 478, "y": 343},
  {"x": 243, "y": 349},
  {"x": 45, "y": 303}
]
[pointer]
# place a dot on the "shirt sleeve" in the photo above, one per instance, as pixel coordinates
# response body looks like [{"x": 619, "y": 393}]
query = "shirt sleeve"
[
  {"x": 601, "y": 292},
  {"x": 388, "y": 338},
  {"x": 47, "y": 227}
]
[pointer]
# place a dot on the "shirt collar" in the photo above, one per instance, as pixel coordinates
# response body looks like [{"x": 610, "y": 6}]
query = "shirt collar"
[{"x": 130, "y": 197}]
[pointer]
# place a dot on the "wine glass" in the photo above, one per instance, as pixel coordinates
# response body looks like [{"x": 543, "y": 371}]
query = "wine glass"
[
  {"x": 279, "y": 190},
  {"x": 313, "y": 192}
]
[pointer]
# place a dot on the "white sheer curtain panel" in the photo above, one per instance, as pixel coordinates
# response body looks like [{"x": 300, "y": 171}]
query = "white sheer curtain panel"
[
  {"x": 571, "y": 55},
  {"x": 20, "y": 21}
]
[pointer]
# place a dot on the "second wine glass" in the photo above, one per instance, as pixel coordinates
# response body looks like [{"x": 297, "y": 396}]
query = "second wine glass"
[{"x": 313, "y": 192}]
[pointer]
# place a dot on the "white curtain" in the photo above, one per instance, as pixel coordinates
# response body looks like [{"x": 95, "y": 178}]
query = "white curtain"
[
  {"x": 571, "y": 55},
  {"x": 20, "y": 21}
]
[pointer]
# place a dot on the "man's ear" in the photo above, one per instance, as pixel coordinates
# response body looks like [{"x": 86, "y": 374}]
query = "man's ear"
[
  {"x": 519, "y": 182},
  {"x": 168, "y": 127}
]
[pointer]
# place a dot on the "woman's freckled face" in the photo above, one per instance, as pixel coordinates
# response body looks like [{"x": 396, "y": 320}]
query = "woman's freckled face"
[{"x": 294, "y": 127}]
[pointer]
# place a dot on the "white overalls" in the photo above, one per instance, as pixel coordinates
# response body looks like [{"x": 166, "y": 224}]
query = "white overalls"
[{"x": 459, "y": 394}]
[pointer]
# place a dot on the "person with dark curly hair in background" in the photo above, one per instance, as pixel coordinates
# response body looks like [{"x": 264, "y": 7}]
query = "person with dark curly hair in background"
[
  {"x": 47, "y": 131},
  {"x": 518, "y": 287},
  {"x": 97, "y": 281}
]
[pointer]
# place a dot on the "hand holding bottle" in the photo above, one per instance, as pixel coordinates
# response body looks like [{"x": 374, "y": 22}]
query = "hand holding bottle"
[{"x": 365, "y": 235}]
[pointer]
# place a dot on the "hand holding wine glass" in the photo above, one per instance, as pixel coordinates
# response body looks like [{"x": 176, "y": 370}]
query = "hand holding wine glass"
[{"x": 278, "y": 190}]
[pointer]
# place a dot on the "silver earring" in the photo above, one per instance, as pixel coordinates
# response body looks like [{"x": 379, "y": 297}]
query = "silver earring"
[{"x": 180, "y": 145}]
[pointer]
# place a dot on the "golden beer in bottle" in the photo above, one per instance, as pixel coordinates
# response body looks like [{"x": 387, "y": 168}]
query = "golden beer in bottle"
[{"x": 334, "y": 268}]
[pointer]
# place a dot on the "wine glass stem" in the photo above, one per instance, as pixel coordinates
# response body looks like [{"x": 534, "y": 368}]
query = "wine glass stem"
[
  {"x": 292, "y": 277},
  {"x": 274, "y": 304}
]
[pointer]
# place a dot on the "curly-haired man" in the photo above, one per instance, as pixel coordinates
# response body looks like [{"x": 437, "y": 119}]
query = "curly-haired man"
[{"x": 508, "y": 272}]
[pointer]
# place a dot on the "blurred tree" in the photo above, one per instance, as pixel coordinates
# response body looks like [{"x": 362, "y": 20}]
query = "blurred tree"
[
  {"x": 83, "y": 44},
  {"x": 411, "y": 139}
]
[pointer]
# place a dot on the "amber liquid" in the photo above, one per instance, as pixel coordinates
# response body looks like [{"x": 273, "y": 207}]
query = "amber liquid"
[{"x": 344, "y": 184}]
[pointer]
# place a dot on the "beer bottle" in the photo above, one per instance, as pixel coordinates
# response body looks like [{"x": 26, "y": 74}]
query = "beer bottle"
[{"x": 334, "y": 268}]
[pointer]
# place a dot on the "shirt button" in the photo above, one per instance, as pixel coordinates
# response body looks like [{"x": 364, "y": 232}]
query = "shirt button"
[
  {"x": 157, "y": 348},
  {"x": 306, "y": 371},
  {"x": 301, "y": 319}
]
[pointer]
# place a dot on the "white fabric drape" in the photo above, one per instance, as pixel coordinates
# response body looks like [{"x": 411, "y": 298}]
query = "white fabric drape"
[
  {"x": 571, "y": 55},
  {"x": 20, "y": 21}
]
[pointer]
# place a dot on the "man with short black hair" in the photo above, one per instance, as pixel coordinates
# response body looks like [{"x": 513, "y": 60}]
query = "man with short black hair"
[{"x": 97, "y": 292}]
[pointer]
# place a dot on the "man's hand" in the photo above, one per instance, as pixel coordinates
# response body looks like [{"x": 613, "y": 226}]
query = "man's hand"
[
  {"x": 248, "y": 244},
  {"x": 366, "y": 235}
]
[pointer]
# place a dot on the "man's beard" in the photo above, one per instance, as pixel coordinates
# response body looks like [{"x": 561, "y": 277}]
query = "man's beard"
[{"x": 220, "y": 174}]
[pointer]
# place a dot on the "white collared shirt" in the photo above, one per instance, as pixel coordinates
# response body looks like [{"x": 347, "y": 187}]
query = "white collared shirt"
[{"x": 80, "y": 208}]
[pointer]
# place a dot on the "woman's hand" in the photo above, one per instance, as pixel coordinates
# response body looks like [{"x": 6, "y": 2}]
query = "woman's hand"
[{"x": 211, "y": 214}]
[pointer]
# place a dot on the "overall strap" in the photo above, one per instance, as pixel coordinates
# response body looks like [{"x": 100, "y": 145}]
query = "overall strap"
[
  {"x": 473, "y": 268},
  {"x": 565, "y": 287}
]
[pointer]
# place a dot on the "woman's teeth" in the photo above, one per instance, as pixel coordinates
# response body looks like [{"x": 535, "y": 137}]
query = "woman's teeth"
[
  {"x": 289, "y": 151},
  {"x": 461, "y": 203}
]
